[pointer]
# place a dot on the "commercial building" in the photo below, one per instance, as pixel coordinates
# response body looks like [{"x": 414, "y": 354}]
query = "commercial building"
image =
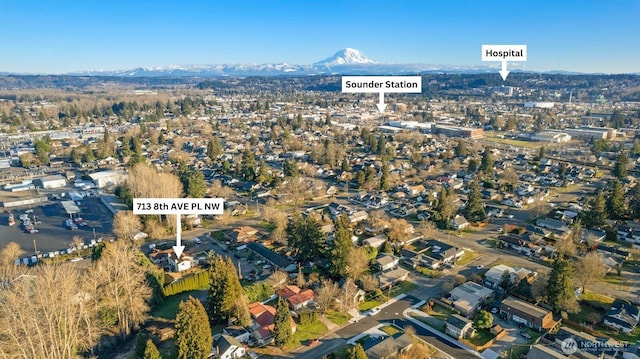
[
  {"x": 591, "y": 133},
  {"x": 458, "y": 131},
  {"x": 551, "y": 136},
  {"x": 53, "y": 181},
  {"x": 108, "y": 178}
]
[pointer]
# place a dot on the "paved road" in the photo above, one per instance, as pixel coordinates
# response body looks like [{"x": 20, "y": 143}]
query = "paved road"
[{"x": 390, "y": 314}]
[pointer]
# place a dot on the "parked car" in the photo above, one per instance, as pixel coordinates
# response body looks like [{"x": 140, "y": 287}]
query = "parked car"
[
  {"x": 525, "y": 335},
  {"x": 266, "y": 266},
  {"x": 197, "y": 240},
  {"x": 374, "y": 311},
  {"x": 479, "y": 267}
]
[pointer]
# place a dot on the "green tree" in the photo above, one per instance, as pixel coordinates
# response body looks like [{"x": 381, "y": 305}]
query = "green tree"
[
  {"x": 192, "y": 180},
  {"x": 621, "y": 165},
  {"x": 290, "y": 168},
  {"x": 615, "y": 201},
  {"x": 446, "y": 206},
  {"x": 461, "y": 149},
  {"x": 597, "y": 213},
  {"x": 542, "y": 152},
  {"x": 342, "y": 247},
  {"x": 151, "y": 351},
  {"x": 474, "y": 211},
  {"x": 224, "y": 290},
  {"x": 214, "y": 149},
  {"x": 384, "y": 178},
  {"x": 560, "y": 290},
  {"x": 306, "y": 238},
  {"x": 599, "y": 146},
  {"x": 282, "y": 323},
  {"x": 486, "y": 163},
  {"x": 505, "y": 281},
  {"x": 386, "y": 247},
  {"x": 357, "y": 352},
  {"x": 634, "y": 202},
  {"x": 483, "y": 320},
  {"x": 193, "y": 333},
  {"x": 345, "y": 165},
  {"x": 248, "y": 165}
]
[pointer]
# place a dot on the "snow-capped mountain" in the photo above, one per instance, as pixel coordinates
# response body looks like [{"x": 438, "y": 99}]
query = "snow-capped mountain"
[
  {"x": 347, "y": 61},
  {"x": 346, "y": 56}
]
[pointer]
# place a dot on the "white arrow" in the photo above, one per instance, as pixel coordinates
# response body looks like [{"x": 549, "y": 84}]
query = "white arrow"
[
  {"x": 178, "y": 248},
  {"x": 381, "y": 105},
  {"x": 504, "y": 73}
]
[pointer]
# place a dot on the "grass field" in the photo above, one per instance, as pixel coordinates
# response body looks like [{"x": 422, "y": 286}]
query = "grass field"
[
  {"x": 400, "y": 288},
  {"x": 337, "y": 317},
  {"x": 307, "y": 332},
  {"x": 467, "y": 257},
  {"x": 481, "y": 338},
  {"x": 390, "y": 330},
  {"x": 368, "y": 304},
  {"x": 169, "y": 306}
]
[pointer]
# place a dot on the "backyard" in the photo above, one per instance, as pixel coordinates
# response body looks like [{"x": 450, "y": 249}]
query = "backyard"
[{"x": 307, "y": 332}]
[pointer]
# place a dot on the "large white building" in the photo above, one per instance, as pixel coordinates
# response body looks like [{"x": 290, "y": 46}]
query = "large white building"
[
  {"x": 53, "y": 181},
  {"x": 551, "y": 136},
  {"x": 108, "y": 178}
]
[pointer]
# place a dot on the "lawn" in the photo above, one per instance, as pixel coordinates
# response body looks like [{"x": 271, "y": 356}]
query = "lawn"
[
  {"x": 467, "y": 257},
  {"x": 368, "y": 304},
  {"x": 596, "y": 297},
  {"x": 307, "y": 332},
  {"x": 337, "y": 317},
  {"x": 441, "y": 312},
  {"x": 617, "y": 280},
  {"x": 169, "y": 306},
  {"x": 390, "y": 330},
  {"x": 402, "y": 287},
  {"x": 481, "y": 338},
  {"x": 431, "y": 273}
]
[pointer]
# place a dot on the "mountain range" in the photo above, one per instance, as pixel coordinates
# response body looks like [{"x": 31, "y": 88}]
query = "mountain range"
[{"x": 346, "y": 61}]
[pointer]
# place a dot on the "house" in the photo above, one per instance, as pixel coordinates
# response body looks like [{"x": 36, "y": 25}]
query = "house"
[
  {"x": 375, "y": 242},
  {"x": 390, "y": 347},
  {"x": 53, "y": 181},
  {"x": 296, "y": 297},
  {"x": 539, "y": 351},
  {"x": 608, "y": 348},
  {"x": 239, "y": 333},
  {"x": 242, "y": 234},
  {"x": 493, "y": 277},
  {"x": 272, "y": 257},
  {"x": 179, "y": 264},
  {"x": 443, "y": 251},
  {"x": 534, "y": 317},
  {"x": 392, "y": 277},
  {"x": 459, "y": 327},
  {"x": 358, "y": 217},
  {"x": 262, "y": 327},
  {"x": 468, "y": 297},
  {"x": 227, "y": 347},
  {"x": 459, "y": 223},
  {"x": 622, "y": 316},
  {"x": 387, "y": 261}
]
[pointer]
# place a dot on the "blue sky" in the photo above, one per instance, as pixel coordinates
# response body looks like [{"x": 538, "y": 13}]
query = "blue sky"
[{"x": 66, "y": 35}]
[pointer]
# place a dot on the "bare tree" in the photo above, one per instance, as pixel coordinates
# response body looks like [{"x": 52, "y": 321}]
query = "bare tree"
[
  {"x": 10, "y": 253},
  {"x": 277, "y": 280},
  {"x": 378, "y": 217},
  {"x": 357, "y": 263},
  {"x": 145, "y": 181},
  {"x": 47, "y": 313},
  {"x": 368, "y": 282},
  {"x": 126, "y": 225},
  {"x": 326, "y": 294},
  {"x": 348, "y": 295},
  {"x": 219, "y": 190},
  {"x": 539, "y": 286},
  {"x": 121, "y": 286},
  {"x": 399, "y": 230},
  {"x": 566, "y": 245},
  {"x": 589, "y": 269}
]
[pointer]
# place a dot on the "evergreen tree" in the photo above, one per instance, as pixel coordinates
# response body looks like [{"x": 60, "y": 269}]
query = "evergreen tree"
[
  {"x": 224, "y": 290},
  {"x": 474, "y": 210},
  {"x": 345, "y": 165},
  {"x": 461, "y": 149},
  {"x": 306, "y": 238},
  {"x": 473, "y": 165},
  {"x": 384, "y": 178},
  {"x": 282, "y": 324},
  {"x": 446, "y": 207},
  {"x": 597, "y": 213},
  {"x": 150, "y": 351},
  {"x": 621, "y": 165},
  {"x": 248, "y": 165},
  {"x": 342, "y": 247},
  {"x": 634, "y": 202},
  {"x": 486, "y": 163},
  {"x": 193, "y": 333},
  {"x": 290, "y": 168},
  {"x": 560, "y": 289},
  {"x": 615, "y": 201},
  {"x": 357, "y": 352},
  {"x": 483, "y": 320},
  {"x": 214, "y": 149}
]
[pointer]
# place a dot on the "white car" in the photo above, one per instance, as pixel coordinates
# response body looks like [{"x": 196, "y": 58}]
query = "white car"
[
  {"x": 374, "y": 311},
  {"x": 266, "y": 266},
  {"x": 479, "y": 267},
  {"x": 197, "y": 240}
]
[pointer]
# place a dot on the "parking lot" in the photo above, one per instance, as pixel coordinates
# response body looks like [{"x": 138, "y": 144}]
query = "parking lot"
[{"x": 52, "y": 233}]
